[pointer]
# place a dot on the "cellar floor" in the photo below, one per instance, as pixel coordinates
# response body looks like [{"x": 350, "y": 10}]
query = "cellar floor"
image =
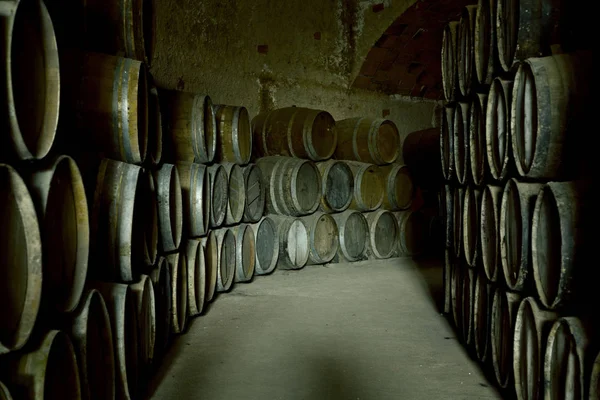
[{"x": 369, "y": 330}]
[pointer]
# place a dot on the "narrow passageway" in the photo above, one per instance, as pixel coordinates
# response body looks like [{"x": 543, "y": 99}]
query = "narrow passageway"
[{"x": 368, "y": 330}]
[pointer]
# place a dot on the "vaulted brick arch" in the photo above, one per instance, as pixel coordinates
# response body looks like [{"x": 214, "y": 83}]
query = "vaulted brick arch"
[{"x": 406, "y": 58}]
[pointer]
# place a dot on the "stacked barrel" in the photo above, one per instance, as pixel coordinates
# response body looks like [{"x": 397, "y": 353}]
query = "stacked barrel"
[{"x": 518, "y": 199}]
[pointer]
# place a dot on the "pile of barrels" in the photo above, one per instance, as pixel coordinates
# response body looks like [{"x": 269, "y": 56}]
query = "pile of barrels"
[
  {"x": 127, "y": 208},
  {"x": 519, "y": 285}
]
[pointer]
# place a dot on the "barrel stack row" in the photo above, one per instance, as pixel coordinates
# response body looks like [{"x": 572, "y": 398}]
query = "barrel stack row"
[{"x": 517, "y": 200}]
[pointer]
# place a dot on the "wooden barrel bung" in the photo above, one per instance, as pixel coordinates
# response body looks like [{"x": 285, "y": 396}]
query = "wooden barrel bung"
[
  {"x": 191, "y": 127},
  {"x": 245, "y": 252},
  {"x": 170, "y": 207},
  {"x": 399, "y": 187},
  {"x": 196, "y": 262},
  {"x": 323, "y": 237},
  {"x": 570, "y": 352},
  {"x": 497, "y": 128},
  {"x": 449, "y": 60},
  {"x": 195, "y": 188},
  {"x": 161, "y": 279},
  {"x": 531, "y": 329},
  {"x": 482, "y": 312},
  {"x": 353, "y": 229},
  {"x": 212, "y": 264},
  {"x": 150, "y": 221},
  {"x": 236, "y": 202},
  {"x": 413, "y": 232},
  {"x": 293, "y": 186},
  {"x": 90, "y": 332},
  {"x": 179, "y": 291},
  {"x": 122, "y": 309},
  {"x": 219, "y": 195},
  {"x": 476, "y": 139},
  {"x": 143, "y": 292},
  {"x": 485, "y": 50},
  {"x": 504, "y": 314},
  {"x": 369, "y": 189},
  {"x": 31, "y": 71},
  {"x": 421, "y": 153},
  {"x": 20, "y": 261},
  {"x": 235, "y": 134},
  {"x": 457, "y": 219},
  {"x": 369, "y": 140},
  {"x": 226, "y": 244},
  {"x": 490, "y": 231},
  {"x": 460, "y": 142},
  {"x": 48, "y": 370},
  {"x": 447, "y": 141},
  {"x": 155, "y": 133},
  {"x": 383, "y": 233},
  {"x": 293, "y": 242},
  {"x": 266, "y": 245},
  {"x": 471, "y": 225},
  {"x": 254, "y": 207},
  {"x": 465, "y": 48},
  {"x": 516, "y": 209},
  {"x": 295, "y": 132},
  {"x": 337, "y": 185}
]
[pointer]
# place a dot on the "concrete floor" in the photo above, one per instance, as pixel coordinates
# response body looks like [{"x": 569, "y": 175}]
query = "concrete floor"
[{"x": 370, "y": 330}]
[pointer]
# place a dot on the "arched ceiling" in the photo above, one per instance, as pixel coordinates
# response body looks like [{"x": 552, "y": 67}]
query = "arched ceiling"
[{"x": 406, "y": 58}]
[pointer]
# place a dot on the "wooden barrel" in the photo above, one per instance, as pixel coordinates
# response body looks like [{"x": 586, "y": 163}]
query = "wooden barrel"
[
  {"x": 447, "y": 278},
  {"x": 161, "y": 280},
  {"x": 58, "y": 193},
  {"x": 293, "y": 186},
  {"x": 195, "y": 188},
  {"x": 266, "y": 246},
  {"x": 369, "y": 188},
  {"x": 108, "y": 98},
  {"x": 516, "y": 209},
  {"x": 369, "y": 140},
  {"x": 191, "y": 127},
  {"x": 295, "y": 132},
  {"x": 235, "y": 134},
  {"x": 594, "y": 390},
  {"x": 179, "y": 291},
  {"x": 527, "y": 28},
  {"x": 383, "y": 233},
  {"x": 245, "y": 252},
  {"x": 413, "y": 232},
  {"x": 497, "y": 127},
  {"x": 20, "y": 261},
  {"x": 460, "y": 142},
  {"x": 150, "y": 222},
  {"x": 323, "y": 237},
  {"x": 122, "y": 309},
  {"x": 170, "y": 207},
  {"x": 457, "y": 219},
  {"x": 476, "y": 139},
  {"x": 472, "y": 225},
  {"x": 490, "y": 231},
  {"x": 449, "y": 60},
  {"x": 465, "y": 48},
  {"x": 236, "y": 201},
  {"x": 399, "y": 188},
  {"x": 337, "y": 185},
  {"x": 485, "y": 50},
  {"x": 143, "y": 292},
  {"x": 48, "y": 370},
  {"x": 30, "y": 71},
  {"x": 549, "y": 101},
  {"x": 482, "y": 316},
  {"x": 562, "y": 221},
  {"x": 570, "y": 352},
  {"x": 531, "y": 329},
  {"x": 121, "y": 27},
  {"x": 196, "y": 263},
  {"x": 90, "y": 332},
  {"x": 155, "y": 139},
  {"x": 447, "y": 141},
  {"x": 504, "y": 314},
  {"x": 212, "y": 264},
  {"x": 468, "y": 301},
  {"x": 225, "y": 239},
  {"x": 456, "y": 292},
  {"x": 353, "y": 230},
  {"x": 254, "y": 207},
  {"x": 219, "y": 195},
  {"x": 421, "y": 153},
  {"x": 4, "y": 393},
  {"x": 293, "y": 242},
  {"x": 448, "y": 207}
]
